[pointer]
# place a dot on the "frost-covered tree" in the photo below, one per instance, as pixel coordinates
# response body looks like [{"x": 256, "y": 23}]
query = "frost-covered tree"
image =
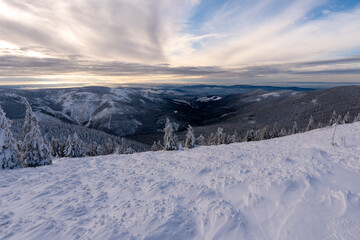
[
  {"x": 129, "y": 150},
  {"x": 190, "y": 138},
  {"x": 211, "y": 140},
  {"x": 200, "y": 140},
  {"x": 234, "y": 138},
  {"x": 310, "y": 125},
  {"x": 220, "y": 137},
  {"x": 294, "y": 128},
  {"x": 347, "y": 118},
  {"x": 339, "y": 120},
  {"x": 74, "y": 147},
  {"x": 333, "y": 119},
  {"x": 157, "y": 146},
  {"x": 319, "y": 125},
  {"x": 116, "y": 148},
  {"x": 170, "y": 139},
  {"x": 109, "y": 147},
  {"x": 249, "y": 136},
  {"x": 357, "y": 118},
  {"x": 275, "y": 131},
  {"x": 92, "y": 151},
  {"x": 99, "y": 150},
  {"x": 54, "y": 147},
  {"x": 68, "y": 146},
  {"x": 154, "y": 147},
  {"x": 258, "y": 134},
  {"x": 9, "y": 152},
  {"x": 283, "y": 132},
  {"x": 35, "y": 151},
  {"x": 265, "y": 133}
]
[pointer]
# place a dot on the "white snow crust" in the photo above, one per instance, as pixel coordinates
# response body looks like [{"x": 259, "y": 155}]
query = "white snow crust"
[{"x": 295, "y": 187}]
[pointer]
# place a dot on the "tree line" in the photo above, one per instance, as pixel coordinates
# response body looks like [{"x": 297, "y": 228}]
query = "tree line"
[
  {"x": 171, "y": 141},
  {"x": 34, "y": 150}
]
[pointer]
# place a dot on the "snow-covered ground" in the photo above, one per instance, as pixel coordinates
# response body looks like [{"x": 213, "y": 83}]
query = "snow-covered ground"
[{"x": 296, "y": 187}]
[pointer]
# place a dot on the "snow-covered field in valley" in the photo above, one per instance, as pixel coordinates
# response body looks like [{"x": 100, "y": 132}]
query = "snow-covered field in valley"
[{"x": 295, "y": 187}]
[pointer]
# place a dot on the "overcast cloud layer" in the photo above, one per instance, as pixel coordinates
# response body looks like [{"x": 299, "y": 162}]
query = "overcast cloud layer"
[{"x": 173, "y": 41}]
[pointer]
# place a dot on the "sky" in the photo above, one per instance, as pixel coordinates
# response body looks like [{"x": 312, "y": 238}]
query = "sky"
[{"x": 89, "y": 42}]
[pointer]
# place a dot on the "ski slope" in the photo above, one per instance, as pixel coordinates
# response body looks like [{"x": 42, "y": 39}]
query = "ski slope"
[{"x": 295, "y": 187}]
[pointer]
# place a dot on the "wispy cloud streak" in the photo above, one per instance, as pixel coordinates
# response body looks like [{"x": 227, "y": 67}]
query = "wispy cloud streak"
[{"x": 170, "y": 39}]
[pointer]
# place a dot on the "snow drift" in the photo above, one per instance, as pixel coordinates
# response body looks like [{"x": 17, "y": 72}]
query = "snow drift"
[{"x": 295, "y": 187}]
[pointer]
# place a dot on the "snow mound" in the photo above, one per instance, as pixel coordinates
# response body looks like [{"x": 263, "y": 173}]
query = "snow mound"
[{"x": 295, "y": 187}]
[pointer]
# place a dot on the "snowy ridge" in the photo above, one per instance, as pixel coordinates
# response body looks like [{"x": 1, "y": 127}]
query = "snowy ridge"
[
  {"x": 209, "y": 99},
  {"x": 295, "y": 187}
]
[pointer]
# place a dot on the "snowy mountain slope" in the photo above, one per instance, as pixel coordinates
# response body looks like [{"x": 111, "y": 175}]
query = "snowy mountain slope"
[
  {"x": 295, "y": 187},
  {"x": 140, "y": 112},
  {"x": 125, "y": 110}
]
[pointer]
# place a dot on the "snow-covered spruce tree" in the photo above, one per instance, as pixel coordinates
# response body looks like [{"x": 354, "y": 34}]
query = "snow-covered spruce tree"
[
  {"x": 123, "y": 146},
  {"x": 249, "y": 136},
  {"x": 74, "y": 147},
  {"x": 92, "y": 151},
  {"x": 9, "y": 152},
  {"x": 170, "y": 139},
  {"x": 347, "y": 118},
  {"x": 160, "y": 146},
  {"x": 116, "y": 148},
  {"x": 99, "y": 150},
  {"x": 109, "y": 147},
  {"x": 157, "y": 146},
  {"x": 200, "y": 140},
  {"x": 265, "y": 133},
  {"x": 258, "y": 134},
  {"x": 55, "y": 147},
  {"x": 283, "y": 132},
  {"x": 357, "y": 118},
  {"x": 294, "y": 128},
  {"x": 220, "y": 137},
  {"x": 34, "y": 150},
  {"x": 275, "y": 131},
  {"x": 333, "y": 119},
  {"x": 190, "y": 138},
  {"x": 339, "y": 120},
  {"x": 129, "y": 150},
  {"x": 310, "y": 125},
  {"x": 211, "y": 140},
  {"x": 232, "y": 138},
  {"x": 68, "y": 146},
  {"x": 235, "y": 137},
  {"x": 319, "y": 125},
  {"x": 154, "y": 147}
]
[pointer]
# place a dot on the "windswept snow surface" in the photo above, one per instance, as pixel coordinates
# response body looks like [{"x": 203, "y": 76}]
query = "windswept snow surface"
[{"x": 295, "y": 187}]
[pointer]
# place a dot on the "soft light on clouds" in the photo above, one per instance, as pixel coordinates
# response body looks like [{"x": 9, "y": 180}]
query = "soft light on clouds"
[{"x": 171, "y": 41}]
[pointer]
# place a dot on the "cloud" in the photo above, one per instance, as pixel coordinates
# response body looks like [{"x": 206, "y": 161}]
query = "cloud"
[
  {"x": 21, "y": 66},
  {"x": 258, "y": 34},
  {"x": 171, "y": 39},
  {"x": 110, "y": 29}
]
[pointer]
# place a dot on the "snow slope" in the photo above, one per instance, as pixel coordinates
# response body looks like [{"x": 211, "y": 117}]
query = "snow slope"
[{"x": 295, "y": 187}]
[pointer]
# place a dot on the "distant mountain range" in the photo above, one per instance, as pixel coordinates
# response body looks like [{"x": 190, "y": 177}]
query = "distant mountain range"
[{"x": 140, "y": 113}]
